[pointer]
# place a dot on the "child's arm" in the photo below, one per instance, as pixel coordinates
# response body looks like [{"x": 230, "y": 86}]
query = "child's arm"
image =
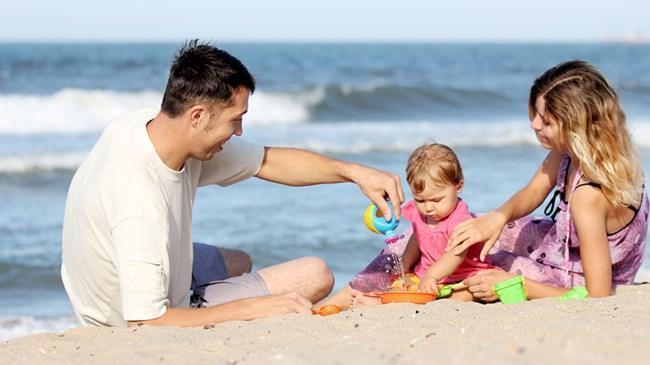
[
  {"x": 589, "y": 214},
  {"x": 445, "y": 266},
  {"x": 411, "y": 254},
  {"x": 488, "y": 228}
]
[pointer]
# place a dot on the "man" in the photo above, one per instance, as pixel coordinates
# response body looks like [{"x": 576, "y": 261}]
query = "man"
[{"x": 127, "y": 248}]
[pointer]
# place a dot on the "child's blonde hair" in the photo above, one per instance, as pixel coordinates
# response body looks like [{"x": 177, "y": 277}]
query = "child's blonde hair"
[
  {"x": 433, "y": 163},
  {"x": 593, "y": 125}
]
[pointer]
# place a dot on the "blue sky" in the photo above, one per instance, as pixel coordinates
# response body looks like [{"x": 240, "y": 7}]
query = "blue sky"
[{"x": 331, "y": 20}]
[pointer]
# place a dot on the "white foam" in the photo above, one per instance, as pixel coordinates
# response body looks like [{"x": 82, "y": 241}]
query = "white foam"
[
  {"x": 42, "y": 162},
  {"x": 12, "y": 327},
  {"x": 78, "y": 111},
  {"x": 69, "y": 110},
  {"x": 399, "y": 136},
  {"x": 334, "y": 137},
  {"x": 74, "y": 111},
  {"x": 283, "y": 108}
]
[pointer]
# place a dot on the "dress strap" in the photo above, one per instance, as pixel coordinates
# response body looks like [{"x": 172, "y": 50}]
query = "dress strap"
[{"x": 569, "y": 227}]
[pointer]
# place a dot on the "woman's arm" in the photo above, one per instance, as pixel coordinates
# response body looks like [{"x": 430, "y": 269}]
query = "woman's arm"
[
  {"x": 488, "y": 228},
  {"x": 481, "y": 284},
  {"x": 589, "y": 214}
]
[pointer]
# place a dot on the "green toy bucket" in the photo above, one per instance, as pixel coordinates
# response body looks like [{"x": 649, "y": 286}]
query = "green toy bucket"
[
  {"x": 578, "y": 292},
  {"x": 512, "y": 290}
]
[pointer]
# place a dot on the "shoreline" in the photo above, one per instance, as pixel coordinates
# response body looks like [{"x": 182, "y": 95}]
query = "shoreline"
[{"x": 594, "y": 331}]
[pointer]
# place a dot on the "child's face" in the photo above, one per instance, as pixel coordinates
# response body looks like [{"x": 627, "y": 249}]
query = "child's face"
[
  {"x": 547, "y": 130},
  {"x": 436, "y": 202}
]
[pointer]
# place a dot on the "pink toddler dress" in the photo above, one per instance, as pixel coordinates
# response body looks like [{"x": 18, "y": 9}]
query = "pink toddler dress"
[
  {"x": 547, "y": 249},
  {"x": 432, "y": 242},
  {"x": 378, "y": 275}
]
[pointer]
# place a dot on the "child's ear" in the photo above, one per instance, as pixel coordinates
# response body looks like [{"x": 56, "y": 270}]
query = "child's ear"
[{"x": 460, "y": 185}]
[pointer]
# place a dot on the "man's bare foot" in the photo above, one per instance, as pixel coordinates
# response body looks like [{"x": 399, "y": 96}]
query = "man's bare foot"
[{"x": 359, "y": 299}]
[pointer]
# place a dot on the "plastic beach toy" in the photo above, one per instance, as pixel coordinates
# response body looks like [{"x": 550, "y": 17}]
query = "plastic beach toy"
[
  {"x": 446, "y": 290},
  {"x": 403, "y": 297},
  {"x": 511, "y": 290},
  {"x": 327, "y": 310},
  {"x": 376, "y": 222},
  {"x": 578, "y": 292}
]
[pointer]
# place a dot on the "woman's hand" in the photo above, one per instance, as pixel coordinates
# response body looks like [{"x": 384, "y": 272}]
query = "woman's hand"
[
  {"x": 486, "y": 229},
  {"x": 481, "y": 284}
]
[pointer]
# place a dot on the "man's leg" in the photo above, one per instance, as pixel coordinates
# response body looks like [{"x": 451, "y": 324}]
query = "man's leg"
[
  {"x": 237, "y": 262},
  {"x": 308, "y": 276},
  {"x": 213, "y": 263}
]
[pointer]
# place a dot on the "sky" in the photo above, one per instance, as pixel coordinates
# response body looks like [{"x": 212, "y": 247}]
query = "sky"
[{"x": 325, "y": 21}]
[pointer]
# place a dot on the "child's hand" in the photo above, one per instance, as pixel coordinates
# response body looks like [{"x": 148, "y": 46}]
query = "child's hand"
[{"x": 428, "y": 284}]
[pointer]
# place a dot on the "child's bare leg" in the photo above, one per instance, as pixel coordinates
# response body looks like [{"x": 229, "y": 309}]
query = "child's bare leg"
[
  {"x": 347, "y": 298},
  {"x": 359, "y": 299},
  {"x": 462, "y": 295},
  {"x": 343, "y": 299}
]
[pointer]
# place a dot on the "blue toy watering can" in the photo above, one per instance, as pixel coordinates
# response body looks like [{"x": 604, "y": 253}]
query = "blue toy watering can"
[{"x": 376, "y": 222}]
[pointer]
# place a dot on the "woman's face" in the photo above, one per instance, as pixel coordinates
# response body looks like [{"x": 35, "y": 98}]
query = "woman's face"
[{"x": 547, "y": 129}]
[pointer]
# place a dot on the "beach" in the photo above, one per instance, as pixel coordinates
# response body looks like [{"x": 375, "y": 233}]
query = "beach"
[
  {"x": 366, "y": 103},
  {"x": 592, "y": 331}
]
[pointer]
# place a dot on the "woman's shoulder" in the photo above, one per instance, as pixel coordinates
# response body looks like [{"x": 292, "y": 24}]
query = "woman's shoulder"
[{"x": 589, "y": 199}]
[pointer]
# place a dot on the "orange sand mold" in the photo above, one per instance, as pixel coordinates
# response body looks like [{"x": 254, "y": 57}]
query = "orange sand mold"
[{"x": 404, "y": 297}]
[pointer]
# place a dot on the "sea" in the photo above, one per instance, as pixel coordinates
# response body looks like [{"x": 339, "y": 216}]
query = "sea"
[{"x": 365, "y": 103}]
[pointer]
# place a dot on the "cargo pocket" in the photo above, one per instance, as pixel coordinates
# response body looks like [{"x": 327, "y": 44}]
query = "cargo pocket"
[{"x": 144, "y": 274}]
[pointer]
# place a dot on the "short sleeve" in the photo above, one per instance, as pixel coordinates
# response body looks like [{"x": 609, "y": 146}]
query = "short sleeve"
[
  {"x": 409, "y": 211},
  {"x": 237, "y": 161},
  {"x": 143, "y": 267},
  {"x": 459, "y": 215}
]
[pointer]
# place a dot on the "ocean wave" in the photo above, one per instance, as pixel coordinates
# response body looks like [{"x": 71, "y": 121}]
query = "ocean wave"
[
  {"x": 69, "y": 110},
  {"x": 26, "y": 164},
  {"x": 74, "y": 111},
  {"x": 12, "y": 327}
]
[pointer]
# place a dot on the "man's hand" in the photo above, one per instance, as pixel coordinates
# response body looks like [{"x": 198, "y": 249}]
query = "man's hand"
[
  {"x": 238, "y": 310},
  {"x": 378, "y": 185},
  {"x": 278, "y": 304}
]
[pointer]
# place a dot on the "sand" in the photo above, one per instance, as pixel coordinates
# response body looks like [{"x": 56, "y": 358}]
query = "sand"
[{"x": 593, "y": 331}]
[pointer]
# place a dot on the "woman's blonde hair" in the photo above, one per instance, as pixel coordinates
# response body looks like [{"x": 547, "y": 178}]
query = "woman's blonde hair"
[
  {"x": 433, "y": 163},
  {"x": 593, "y": 125}
]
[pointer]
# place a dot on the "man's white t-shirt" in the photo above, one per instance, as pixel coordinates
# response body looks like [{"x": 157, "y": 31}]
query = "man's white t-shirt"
[{"x": 127, "y": 240}]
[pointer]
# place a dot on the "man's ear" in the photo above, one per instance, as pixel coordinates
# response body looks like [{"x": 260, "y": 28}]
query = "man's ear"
[{"x": 197, "y": 113}]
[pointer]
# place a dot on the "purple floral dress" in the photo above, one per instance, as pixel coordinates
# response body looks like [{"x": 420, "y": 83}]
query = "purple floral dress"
[
  {"x": 380, "y": 272},
  {"x": 547, "y": 249}
]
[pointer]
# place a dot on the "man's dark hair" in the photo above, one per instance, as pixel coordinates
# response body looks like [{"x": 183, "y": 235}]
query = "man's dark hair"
[{"x": 201, "y": 71}]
